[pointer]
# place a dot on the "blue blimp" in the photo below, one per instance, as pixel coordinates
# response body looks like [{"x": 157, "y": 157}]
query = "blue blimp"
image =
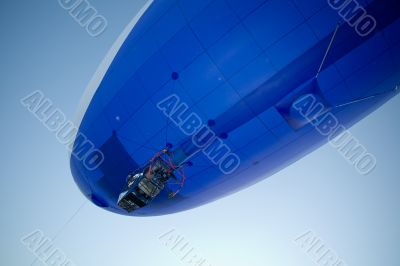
[{"x": 198, "y": 99}]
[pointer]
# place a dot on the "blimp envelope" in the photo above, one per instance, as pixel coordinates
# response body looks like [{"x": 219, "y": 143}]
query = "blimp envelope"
[{"x": 199, "y": 99}]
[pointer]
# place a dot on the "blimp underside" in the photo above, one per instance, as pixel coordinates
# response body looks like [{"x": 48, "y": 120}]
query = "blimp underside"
[{"x": 207, "y": 97}]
